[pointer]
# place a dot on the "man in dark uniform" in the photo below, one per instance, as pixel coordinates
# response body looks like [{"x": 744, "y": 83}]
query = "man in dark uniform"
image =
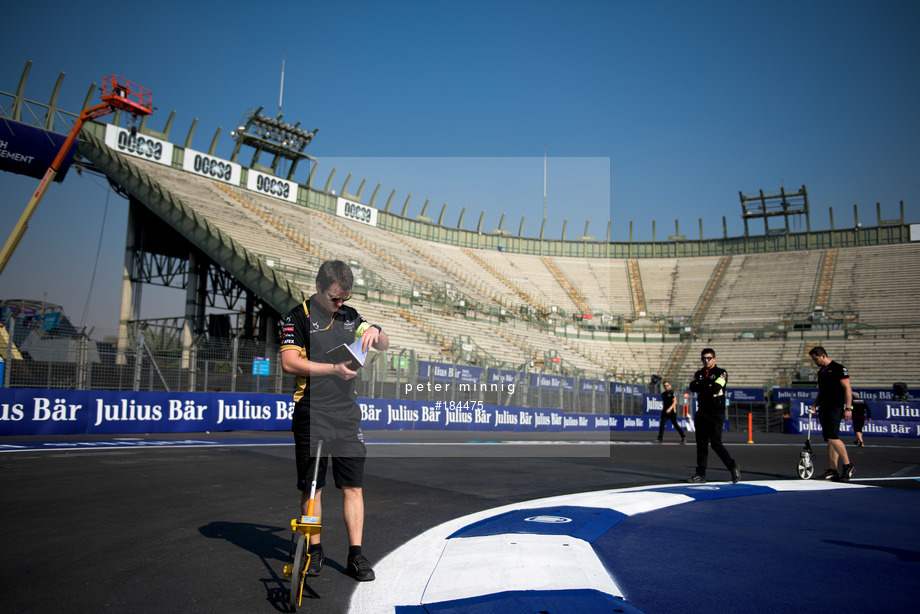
[
  {"x": 861, "y": 415},
  {"x": 709, "y": 385},
  {"x": 669, "y": 412},
  {"x": 325, "y": 406},
  {"x": 834, "y": 401}
]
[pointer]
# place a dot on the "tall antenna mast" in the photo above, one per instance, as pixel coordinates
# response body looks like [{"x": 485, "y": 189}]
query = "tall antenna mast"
[
  {"x": 544, "y": 181},
  {"x": 281, "y": 94}
]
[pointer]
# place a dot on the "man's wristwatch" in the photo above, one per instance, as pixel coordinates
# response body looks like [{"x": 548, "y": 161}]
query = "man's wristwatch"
[{"x": 377, "y": 326}]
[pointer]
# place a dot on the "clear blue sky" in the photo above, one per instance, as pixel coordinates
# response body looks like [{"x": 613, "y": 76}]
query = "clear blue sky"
[{"x": 647, "y": 110}]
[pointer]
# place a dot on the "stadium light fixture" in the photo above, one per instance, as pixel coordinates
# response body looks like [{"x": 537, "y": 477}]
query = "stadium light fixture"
[{"x": 273, "y": 135}]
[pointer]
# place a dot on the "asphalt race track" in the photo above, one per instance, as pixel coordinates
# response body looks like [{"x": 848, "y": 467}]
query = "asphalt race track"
[{"x": 201, "y": 523}]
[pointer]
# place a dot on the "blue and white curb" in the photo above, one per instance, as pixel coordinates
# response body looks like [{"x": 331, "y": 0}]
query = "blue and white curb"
[{"x": 533, "y": 553}]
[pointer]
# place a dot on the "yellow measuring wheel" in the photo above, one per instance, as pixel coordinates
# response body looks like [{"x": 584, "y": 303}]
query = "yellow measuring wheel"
[{"x": 303, "y": 528}]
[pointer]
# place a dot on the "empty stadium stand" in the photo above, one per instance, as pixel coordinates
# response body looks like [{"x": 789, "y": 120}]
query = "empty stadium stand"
[
  {"x": 618, "y": 311},
  {"x": 602, "y": 317}
]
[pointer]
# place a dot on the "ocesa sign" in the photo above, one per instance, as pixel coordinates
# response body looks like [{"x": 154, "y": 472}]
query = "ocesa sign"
[
  {"x": 138, "y": 145},
  {"x": 271, "y": 186},
  {"x": 356, "y": 211},
  {"x": 211, "y": 167}
]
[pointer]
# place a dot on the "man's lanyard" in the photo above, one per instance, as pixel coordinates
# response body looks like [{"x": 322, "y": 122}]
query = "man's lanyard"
[{"x": 306, "y": 309}]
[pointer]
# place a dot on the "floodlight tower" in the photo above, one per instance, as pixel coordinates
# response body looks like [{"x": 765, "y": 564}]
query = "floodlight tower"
[
  {"x": 273, "y": 136},
  {"x": 117, "y": 93}
]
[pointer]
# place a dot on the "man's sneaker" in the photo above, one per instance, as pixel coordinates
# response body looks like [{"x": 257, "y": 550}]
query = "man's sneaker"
[
  {"x": 683, "y": 440},
  {"x": 696, "y": 478},
  {"x": 847, "y": 473},
  {"x": 736, "y": 473},
  {"x": 316, "y": 561},
  {"x": 657, "y": 440},
  {"x": 830, "y": 474},
  {"x": 360, "y": 569}
]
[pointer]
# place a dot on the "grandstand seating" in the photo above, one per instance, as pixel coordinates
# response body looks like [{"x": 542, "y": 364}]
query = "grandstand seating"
[{"x": 756, "y": 292}]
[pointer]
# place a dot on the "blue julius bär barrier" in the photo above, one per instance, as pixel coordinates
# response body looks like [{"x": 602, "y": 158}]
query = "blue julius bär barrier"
[
  {"x": 889, "y": 419},
  {"x": 27, "y": 411}
]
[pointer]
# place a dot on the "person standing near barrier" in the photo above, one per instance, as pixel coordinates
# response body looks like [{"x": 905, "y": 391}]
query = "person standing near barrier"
[
  {"x": 709, "y": 385},
  {"x": 833, "y": 403},
  {"x": 861, "y": 415},
  {"x": 669, "y": 412},
  {"x": 325, "y": 404}
]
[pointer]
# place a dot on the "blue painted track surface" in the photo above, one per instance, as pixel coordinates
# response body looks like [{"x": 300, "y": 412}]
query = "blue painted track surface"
[
  {"x": 758, "y": 547},
  {"x": 848, "y": 550}
]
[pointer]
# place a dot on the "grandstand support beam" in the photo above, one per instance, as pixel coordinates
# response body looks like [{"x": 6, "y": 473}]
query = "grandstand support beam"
[
  {"x": 213, "y": 148},
  {"x": 542, "y": 228},
  {"x": 406, "y": 206},
  {"x": 441, "y": 217},
  {"x": 16, "y": 113},
  {"x": 328, "y": 187},
  {"x": 521, "y": 227},
  {"x": 389, "y": 201},
  {"x": 374, "y": 196},
  {"x": 88, "y": 101},
  {"x": 126, "y": 313},
  {"x": 460, "y": 221},
  {"x": 192, "y": 324},
  {"x": 52, "y": 103},
  {"x": 249, "y": 314},
  {"x": 191, "y": 133}
]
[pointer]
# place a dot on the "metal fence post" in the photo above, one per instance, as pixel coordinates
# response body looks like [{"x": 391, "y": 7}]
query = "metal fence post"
[
  {"x": 11, "y": 329},
  {"x": 138, "y": 358},
  {"x": 233, "y": 366},
  {"x": 81, "y": 361}
]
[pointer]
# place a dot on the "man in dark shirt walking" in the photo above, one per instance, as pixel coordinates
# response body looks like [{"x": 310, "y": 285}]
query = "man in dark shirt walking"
[
  {"x": 709, "y": 385},
  {"x": 669, "y": 412},
  {"x": 834, "y": 401}
]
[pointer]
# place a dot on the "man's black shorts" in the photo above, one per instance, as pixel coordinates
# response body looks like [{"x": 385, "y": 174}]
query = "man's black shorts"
[
  {"x": 347, "y": 451},
  {"x": 830, "y": 422}
]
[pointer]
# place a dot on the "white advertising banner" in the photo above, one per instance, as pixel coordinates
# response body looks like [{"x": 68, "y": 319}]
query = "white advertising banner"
[
  {"x": 211, "y": 167},
  {"x": 356, "y": 211},
  {"x": 272, "y": 186},
  {"x": 138, "y": 145}
]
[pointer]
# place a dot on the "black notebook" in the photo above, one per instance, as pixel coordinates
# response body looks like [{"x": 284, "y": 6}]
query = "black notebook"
[{"x": 351, "y": 354}]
